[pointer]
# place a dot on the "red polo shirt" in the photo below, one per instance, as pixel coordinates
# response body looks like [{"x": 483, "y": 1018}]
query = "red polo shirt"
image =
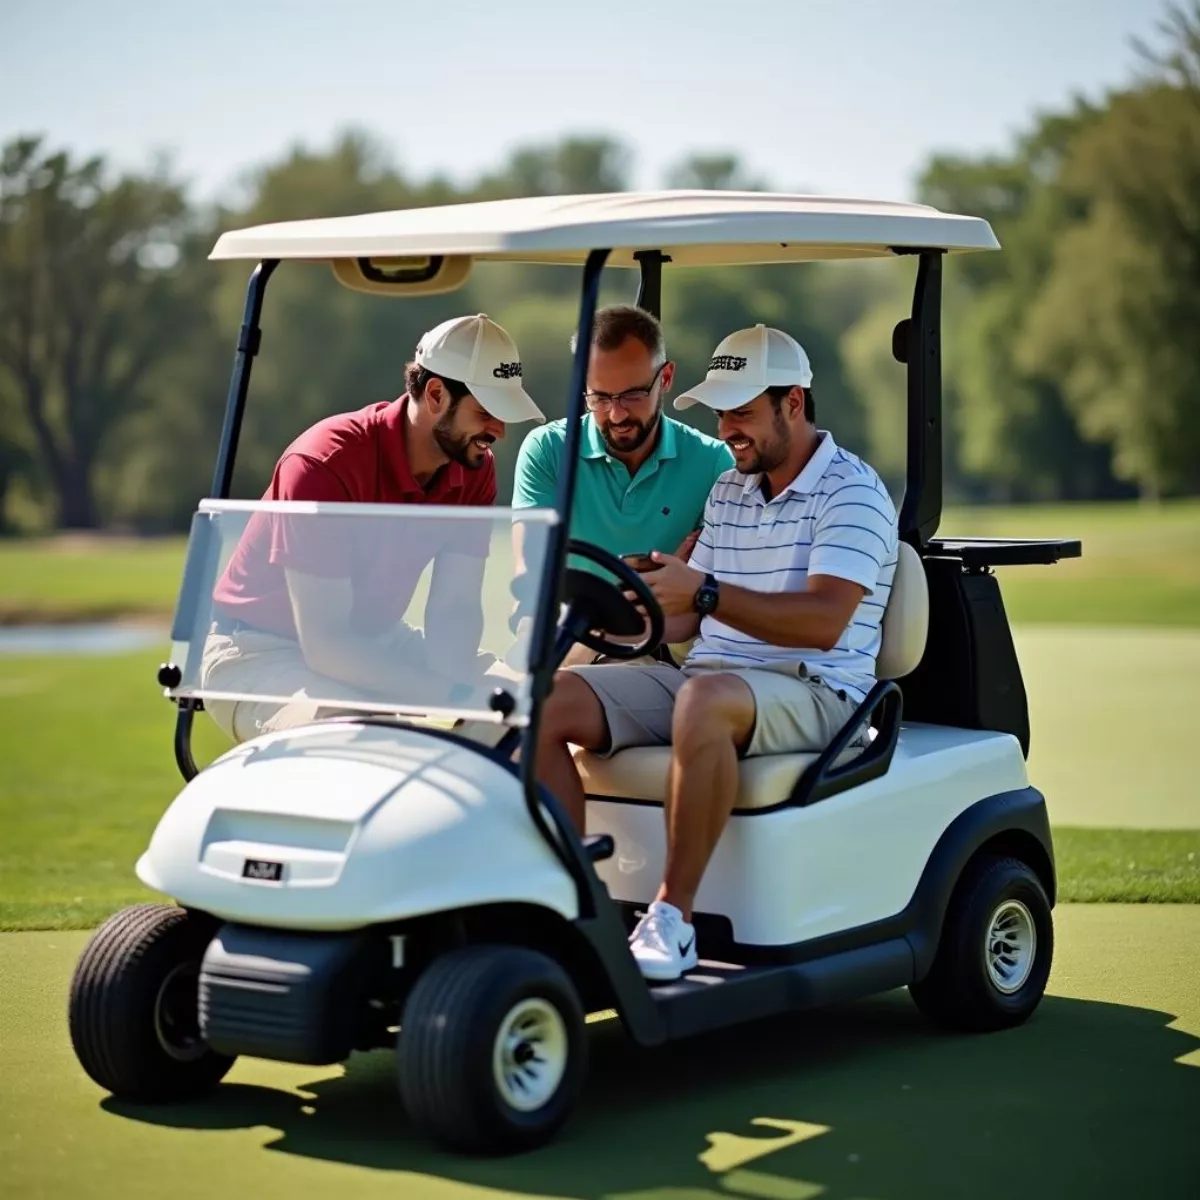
[{"x": 358, "y": 457}]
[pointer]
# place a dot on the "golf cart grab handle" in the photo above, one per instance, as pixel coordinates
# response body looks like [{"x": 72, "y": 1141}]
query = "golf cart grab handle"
[{"x": 821, "y": 779}]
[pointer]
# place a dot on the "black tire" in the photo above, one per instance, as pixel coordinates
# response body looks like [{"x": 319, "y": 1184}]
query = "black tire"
[
  {"x": 960, "y": 991},
  {"x": 133, "y": 1017},
  {"x": 449, "y": 1031}
]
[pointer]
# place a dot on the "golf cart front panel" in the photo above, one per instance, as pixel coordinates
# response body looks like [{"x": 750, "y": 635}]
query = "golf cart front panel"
[{"x": 311, "y": 822}]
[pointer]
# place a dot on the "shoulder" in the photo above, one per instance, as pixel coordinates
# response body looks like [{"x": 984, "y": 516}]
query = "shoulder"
[
  {"x": 338, "y": 435},
  {"x": 848, "y": 479},
  {"x": 544, "y": 441},
  {"x": 693, "y": 444},
  {"x": 729, "y": 487}
]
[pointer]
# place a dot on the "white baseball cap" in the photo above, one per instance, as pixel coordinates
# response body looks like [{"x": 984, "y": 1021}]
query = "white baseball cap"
[
  {"x": 476, "y": 352},
  {"x": 745, "y": 364}
]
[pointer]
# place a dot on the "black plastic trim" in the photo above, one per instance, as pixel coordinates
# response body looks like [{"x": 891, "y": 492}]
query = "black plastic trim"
[
  {"x": 921, "y": 510},
  {"x": 184, "y": 759},
  {"x": 975, "y": 553},
  {"x": 697, "y": 1005},
  {"x": 287, "y": 995},
  {"x": 249, "y": 341},
  {"x": 821, "y": 779},
  {"x": 649, "y": 295}
]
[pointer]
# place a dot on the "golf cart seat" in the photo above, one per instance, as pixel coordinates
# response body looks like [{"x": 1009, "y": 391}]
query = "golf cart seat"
[{"x": 640, "y": 773}]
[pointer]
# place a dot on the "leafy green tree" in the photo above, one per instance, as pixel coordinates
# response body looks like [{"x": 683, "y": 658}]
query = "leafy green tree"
[
  {"x": 92, "y": 295},
  {"x": 1117, "y": 319}
]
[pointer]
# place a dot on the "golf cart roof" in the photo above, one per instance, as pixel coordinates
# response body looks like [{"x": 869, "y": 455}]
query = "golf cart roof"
[{"x": 693, "y": 228}]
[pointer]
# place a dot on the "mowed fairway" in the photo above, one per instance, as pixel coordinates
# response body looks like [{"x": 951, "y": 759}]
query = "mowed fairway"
[{"x": 1096, "y": 1096}]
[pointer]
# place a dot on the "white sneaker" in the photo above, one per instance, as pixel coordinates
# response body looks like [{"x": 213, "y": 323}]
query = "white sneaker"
[{"x": 664, "y": 944}]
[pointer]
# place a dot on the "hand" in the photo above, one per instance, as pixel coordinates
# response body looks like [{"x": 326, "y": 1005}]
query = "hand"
[
  {"x": 674, "y": 585},
  {"x": 685, "y": 548}
]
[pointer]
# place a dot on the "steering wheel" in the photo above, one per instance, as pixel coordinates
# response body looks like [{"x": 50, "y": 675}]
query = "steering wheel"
[{"x": 595, "y": 603}]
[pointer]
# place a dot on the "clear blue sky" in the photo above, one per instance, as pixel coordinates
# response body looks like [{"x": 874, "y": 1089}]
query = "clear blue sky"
[{"x": 840, "y": 96}]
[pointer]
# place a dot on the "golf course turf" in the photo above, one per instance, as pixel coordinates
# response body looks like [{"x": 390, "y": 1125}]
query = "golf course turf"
[{"x": 1096, "y": 1096}]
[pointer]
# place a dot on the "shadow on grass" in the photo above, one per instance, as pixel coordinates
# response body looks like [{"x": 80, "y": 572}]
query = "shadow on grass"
[{"x": 1087, "y": 1099}]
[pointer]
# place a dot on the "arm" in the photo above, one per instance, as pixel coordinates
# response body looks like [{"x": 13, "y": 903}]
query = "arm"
[
  {"x": 321, "y": 608},
  {"x": 851, "y": 540},
  {"x": 454, "y": 614},
  {"x": 814, "y": 617}
]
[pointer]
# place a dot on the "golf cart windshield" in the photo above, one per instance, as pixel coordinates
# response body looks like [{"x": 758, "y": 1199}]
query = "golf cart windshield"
[{"x": 345, "y": 608}]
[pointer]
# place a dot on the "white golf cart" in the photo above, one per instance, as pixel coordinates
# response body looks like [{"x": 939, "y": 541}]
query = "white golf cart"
[{"x": 384, "y": 870}]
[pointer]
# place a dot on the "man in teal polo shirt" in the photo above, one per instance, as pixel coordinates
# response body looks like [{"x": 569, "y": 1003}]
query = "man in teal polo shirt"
[{"x": 643, "y": 478}]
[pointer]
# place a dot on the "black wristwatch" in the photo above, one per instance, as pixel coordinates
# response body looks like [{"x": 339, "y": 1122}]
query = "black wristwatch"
[{"x": 707, "y": 595}]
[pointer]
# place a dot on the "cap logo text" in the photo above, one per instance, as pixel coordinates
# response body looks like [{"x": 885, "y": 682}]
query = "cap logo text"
[
  {"x": 728, "y": 362},
  {"x": 507, "y": 371}
]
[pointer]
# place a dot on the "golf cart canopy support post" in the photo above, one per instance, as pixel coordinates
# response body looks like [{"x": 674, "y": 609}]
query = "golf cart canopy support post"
[
  {"x": 541, "y": 658},
  {"x": 649, "y": 295},
  {"x": 249, "y": 341},
  {"x": 920, "y": 341}
]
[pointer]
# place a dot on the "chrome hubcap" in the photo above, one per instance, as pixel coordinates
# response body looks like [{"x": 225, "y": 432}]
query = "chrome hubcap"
[
  {"x": 529, "y": 1057},
  {"x": 1011, "y": 946},
  {"x": 176, "y": 1017}
]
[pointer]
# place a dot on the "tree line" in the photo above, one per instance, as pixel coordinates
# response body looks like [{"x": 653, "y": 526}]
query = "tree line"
[{"x": 1071, "y": 358}]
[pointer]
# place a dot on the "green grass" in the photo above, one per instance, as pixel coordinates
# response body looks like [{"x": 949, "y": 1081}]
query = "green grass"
[
  {"x": 1096, "y": 1096},
  {"x": 73, "y": 578},
  {"x": 1134, "y": 866},
  {"x": 1140, "y": 566},
  {"x": 86, "y": 769}
]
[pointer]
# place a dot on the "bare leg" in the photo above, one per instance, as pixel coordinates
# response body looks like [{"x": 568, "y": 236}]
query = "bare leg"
[
  {"x": 714, "y": 718},
  {"x": 572, "y": 715}
]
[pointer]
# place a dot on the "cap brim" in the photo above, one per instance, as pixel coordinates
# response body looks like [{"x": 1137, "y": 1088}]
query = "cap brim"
[
  {"x": 719, "y": 394},
  {"x": 507, "y": 404}
]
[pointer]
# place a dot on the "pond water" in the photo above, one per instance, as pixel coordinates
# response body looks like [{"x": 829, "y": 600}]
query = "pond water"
[{"x": 91, "y": 639}]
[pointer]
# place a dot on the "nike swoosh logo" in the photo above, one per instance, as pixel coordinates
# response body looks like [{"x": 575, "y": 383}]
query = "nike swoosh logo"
[{"x": 683, "y": 949}]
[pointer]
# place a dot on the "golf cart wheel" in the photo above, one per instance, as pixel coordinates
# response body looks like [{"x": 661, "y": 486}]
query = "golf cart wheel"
[
  {"x": 997, "y": 944},
  {"x": 133, "y": 1009},
  {"x": 492, "y": 1049}
]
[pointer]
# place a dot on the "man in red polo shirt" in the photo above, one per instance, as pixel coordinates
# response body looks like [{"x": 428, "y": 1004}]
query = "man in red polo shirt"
[{"x": 311, "y": 607}]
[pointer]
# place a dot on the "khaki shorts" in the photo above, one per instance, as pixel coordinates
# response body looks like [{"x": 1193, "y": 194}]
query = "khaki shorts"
[
  {"x": 792, "y": 714},
  {"x": 262, "y": 664}
]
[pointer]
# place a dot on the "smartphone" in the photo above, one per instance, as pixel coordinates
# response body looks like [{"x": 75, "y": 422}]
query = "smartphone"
[{"x": 641, "y": 562}]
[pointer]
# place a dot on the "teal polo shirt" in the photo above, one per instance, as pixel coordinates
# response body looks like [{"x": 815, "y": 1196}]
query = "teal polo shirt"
[{"x": 655, "y": 509}]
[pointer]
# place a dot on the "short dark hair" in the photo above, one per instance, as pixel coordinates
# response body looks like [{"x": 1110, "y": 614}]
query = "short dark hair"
[
  {"x": 777, "y": 395},
  {"x": 416, "y": 377},
  {"x": 615, "y": 325}
]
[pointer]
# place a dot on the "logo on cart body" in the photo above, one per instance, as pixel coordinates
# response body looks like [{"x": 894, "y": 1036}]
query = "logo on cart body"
[{"x": 263, "y": 869}]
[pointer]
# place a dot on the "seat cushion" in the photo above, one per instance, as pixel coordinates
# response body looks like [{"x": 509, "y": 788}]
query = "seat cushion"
[{"x": 640, "y": 773}]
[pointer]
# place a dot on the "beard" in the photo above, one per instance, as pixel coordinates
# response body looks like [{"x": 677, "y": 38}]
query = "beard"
[
  {"x": 631, "y": 434},
  {"x": 767, "y": 455},
  {"x": 459, "y": 447}
]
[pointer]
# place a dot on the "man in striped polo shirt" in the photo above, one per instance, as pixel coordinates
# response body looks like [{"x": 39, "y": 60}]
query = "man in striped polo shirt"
[{"x": 786, "y": 587}]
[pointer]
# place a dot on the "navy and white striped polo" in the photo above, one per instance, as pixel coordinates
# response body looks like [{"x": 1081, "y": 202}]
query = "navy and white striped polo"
[{"x": 835, "y": 518}]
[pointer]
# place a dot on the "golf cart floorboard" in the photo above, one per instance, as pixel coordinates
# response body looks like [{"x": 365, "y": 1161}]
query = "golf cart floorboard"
[{"x": 715, "y": 994}]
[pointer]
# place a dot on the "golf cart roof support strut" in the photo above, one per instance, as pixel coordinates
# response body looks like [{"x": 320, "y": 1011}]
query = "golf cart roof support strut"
[
  {"x": 649, "y": 295},
  {"x": 921, "y": 510},
  {"x": 249, "y": 340},
  {"x": 564, "y": 842}
]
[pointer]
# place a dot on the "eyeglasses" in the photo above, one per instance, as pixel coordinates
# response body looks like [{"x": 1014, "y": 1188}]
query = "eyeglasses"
[{"x": 605, "y": 400}]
